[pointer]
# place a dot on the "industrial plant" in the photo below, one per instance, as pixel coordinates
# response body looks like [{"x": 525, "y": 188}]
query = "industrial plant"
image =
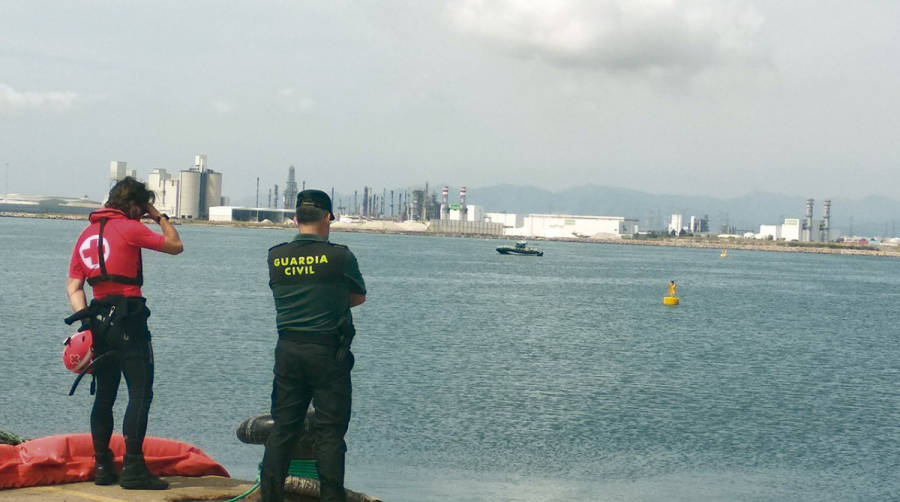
[
  {"x": 190, "y": 195},
  {"x": 195, "y": 193},
  {"x": 805, "y": 230}
]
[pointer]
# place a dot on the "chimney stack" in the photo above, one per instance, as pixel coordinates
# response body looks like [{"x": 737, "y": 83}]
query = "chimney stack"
[{"x": 462, "y": 204}]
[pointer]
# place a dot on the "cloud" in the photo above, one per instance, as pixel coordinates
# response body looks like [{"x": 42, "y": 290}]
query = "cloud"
[
  {"x": 683, "y": 36},
  {"x": 12, "y": 100}
]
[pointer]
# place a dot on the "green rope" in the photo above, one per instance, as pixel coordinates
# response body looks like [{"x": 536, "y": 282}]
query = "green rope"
[
  {"x": 303, "y": 468},
  {"x": 248, "y": 492},
  {"x": 299, "y": 468}
]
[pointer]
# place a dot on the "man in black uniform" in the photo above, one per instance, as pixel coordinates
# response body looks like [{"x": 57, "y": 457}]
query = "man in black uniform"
[{"x": 315, "y": 283}]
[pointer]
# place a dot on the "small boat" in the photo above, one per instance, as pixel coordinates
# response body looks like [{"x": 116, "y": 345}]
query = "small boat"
[{"x": 520, "y": 248}]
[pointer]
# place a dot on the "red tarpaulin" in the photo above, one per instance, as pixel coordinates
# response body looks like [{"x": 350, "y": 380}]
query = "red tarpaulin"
[{"x": 69, "y": 458}]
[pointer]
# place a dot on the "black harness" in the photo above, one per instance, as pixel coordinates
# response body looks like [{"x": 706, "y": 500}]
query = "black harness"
[
  {"x": 104, "y": 276},
  {"x": 99, "y": 317}
]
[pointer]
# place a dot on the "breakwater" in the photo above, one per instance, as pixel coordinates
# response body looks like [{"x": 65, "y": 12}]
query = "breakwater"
[{"x": 422, "y": 228}]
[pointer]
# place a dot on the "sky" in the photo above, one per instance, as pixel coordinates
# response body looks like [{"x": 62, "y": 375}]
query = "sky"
[{"x": 686, "y": 97}]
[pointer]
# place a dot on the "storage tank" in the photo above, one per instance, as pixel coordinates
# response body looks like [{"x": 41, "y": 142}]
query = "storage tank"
[
  {"x": 213, "y": 192},
  {"x": 189, "y": 195}
]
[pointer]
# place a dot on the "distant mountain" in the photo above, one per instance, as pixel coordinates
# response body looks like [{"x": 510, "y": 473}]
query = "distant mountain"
[{"x": 870, "y": 216}]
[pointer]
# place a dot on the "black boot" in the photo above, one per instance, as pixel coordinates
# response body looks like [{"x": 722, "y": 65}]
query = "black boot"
[
  {"x": 105, "y": 470},
  {"x": 135, "y": 475}
]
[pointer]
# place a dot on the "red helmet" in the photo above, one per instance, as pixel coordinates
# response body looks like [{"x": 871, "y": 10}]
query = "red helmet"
[{"x": 79, "y": 351}]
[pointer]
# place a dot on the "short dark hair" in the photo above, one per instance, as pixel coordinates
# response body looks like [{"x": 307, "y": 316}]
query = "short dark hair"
[
  {"x": 129, "y": 193},
  {"x": 310, "y": 214}
]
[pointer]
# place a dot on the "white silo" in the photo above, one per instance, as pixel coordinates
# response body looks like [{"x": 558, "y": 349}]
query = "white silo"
[
  {"x": 212, "y": 192},
  {"x": 189, "y": 194}
]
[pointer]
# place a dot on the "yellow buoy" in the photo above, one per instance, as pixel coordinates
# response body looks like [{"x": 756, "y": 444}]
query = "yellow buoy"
[{"x": 670, "y": 300}]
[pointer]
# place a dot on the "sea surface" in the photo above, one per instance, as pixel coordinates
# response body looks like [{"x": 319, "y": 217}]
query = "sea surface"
[{"x": 482, "y": 377}]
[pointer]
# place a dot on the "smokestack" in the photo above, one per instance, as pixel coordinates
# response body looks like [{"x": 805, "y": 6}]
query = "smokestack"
[
  {"x": 826, "y": 222},
  {"x": 290, "y": 190},
  {"x": 807, "y": 222},
  {"x": 365, "y": 211},
  {"x": 445, "y": 199},
  {"x": 463, "y": 209},
  {"x": 276, "y": 196},
  {"x": 425, "y": 203}
]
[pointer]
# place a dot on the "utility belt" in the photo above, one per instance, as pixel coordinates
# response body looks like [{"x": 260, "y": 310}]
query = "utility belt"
[
  {"x": 114, "y": 321},
  {"x": 329, "y": 337},
  {"x": 340, "y": 338}
]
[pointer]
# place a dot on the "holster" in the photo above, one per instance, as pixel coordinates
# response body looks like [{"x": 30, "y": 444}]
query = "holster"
[{"x": 346, "y": 332}]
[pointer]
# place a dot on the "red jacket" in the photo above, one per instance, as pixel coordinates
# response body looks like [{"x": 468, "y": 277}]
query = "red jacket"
[{"x": 123, "y": 239}]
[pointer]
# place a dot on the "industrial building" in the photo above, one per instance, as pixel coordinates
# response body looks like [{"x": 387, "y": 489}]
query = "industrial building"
[
  {"x": 43, "y": 204},
  {"x": 461, "y": 211},
  {"x": 509, "y": 220},
  {"x": 805, "y": 230},
  {"x": 166, "y": 188},
  {"x": 201, "y": 188},
  {"x": 574, "y": 226},
  {"x": 118, "y": 170},
  {"x": 697, "y": 224},
  {"x": 250, "y": 214},
  {"x": 676, "y": 224},
  {"x": 790, "y": 229},
  {"x": 770, "y": 232},
  {"x": 188, "y": 195},
  {"x": 816, "y": 231},
  {"x": 472, "y": 213}
]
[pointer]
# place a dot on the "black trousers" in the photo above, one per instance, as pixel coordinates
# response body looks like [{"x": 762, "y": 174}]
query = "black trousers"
[
  {"x": 132, "y": 358},
  {"x": 307, "y": 372}
]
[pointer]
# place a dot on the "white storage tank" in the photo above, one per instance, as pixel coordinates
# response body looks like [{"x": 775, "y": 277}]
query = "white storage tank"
[
  {"x": 189, "y": 194},
  {"x": 212, "y": 195}
]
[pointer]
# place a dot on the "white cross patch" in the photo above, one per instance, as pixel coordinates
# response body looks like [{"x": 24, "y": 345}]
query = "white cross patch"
[{"x": 88, "y": 252}]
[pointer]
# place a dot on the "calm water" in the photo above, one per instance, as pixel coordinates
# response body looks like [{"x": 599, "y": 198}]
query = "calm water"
[{"x": 483, "y": 377}]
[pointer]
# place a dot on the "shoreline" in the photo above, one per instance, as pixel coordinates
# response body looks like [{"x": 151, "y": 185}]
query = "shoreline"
[{"x": 418, "y": 228}]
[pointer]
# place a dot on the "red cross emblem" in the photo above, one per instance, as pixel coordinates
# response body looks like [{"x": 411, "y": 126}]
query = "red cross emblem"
[{"x": 88, "y": 251}]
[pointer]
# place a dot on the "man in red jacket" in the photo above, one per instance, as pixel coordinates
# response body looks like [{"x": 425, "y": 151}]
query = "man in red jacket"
[{"x": 107, "y": 256}]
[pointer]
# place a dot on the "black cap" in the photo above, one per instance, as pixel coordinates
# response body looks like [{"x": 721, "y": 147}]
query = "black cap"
[{"x": 315, "y": 198}]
